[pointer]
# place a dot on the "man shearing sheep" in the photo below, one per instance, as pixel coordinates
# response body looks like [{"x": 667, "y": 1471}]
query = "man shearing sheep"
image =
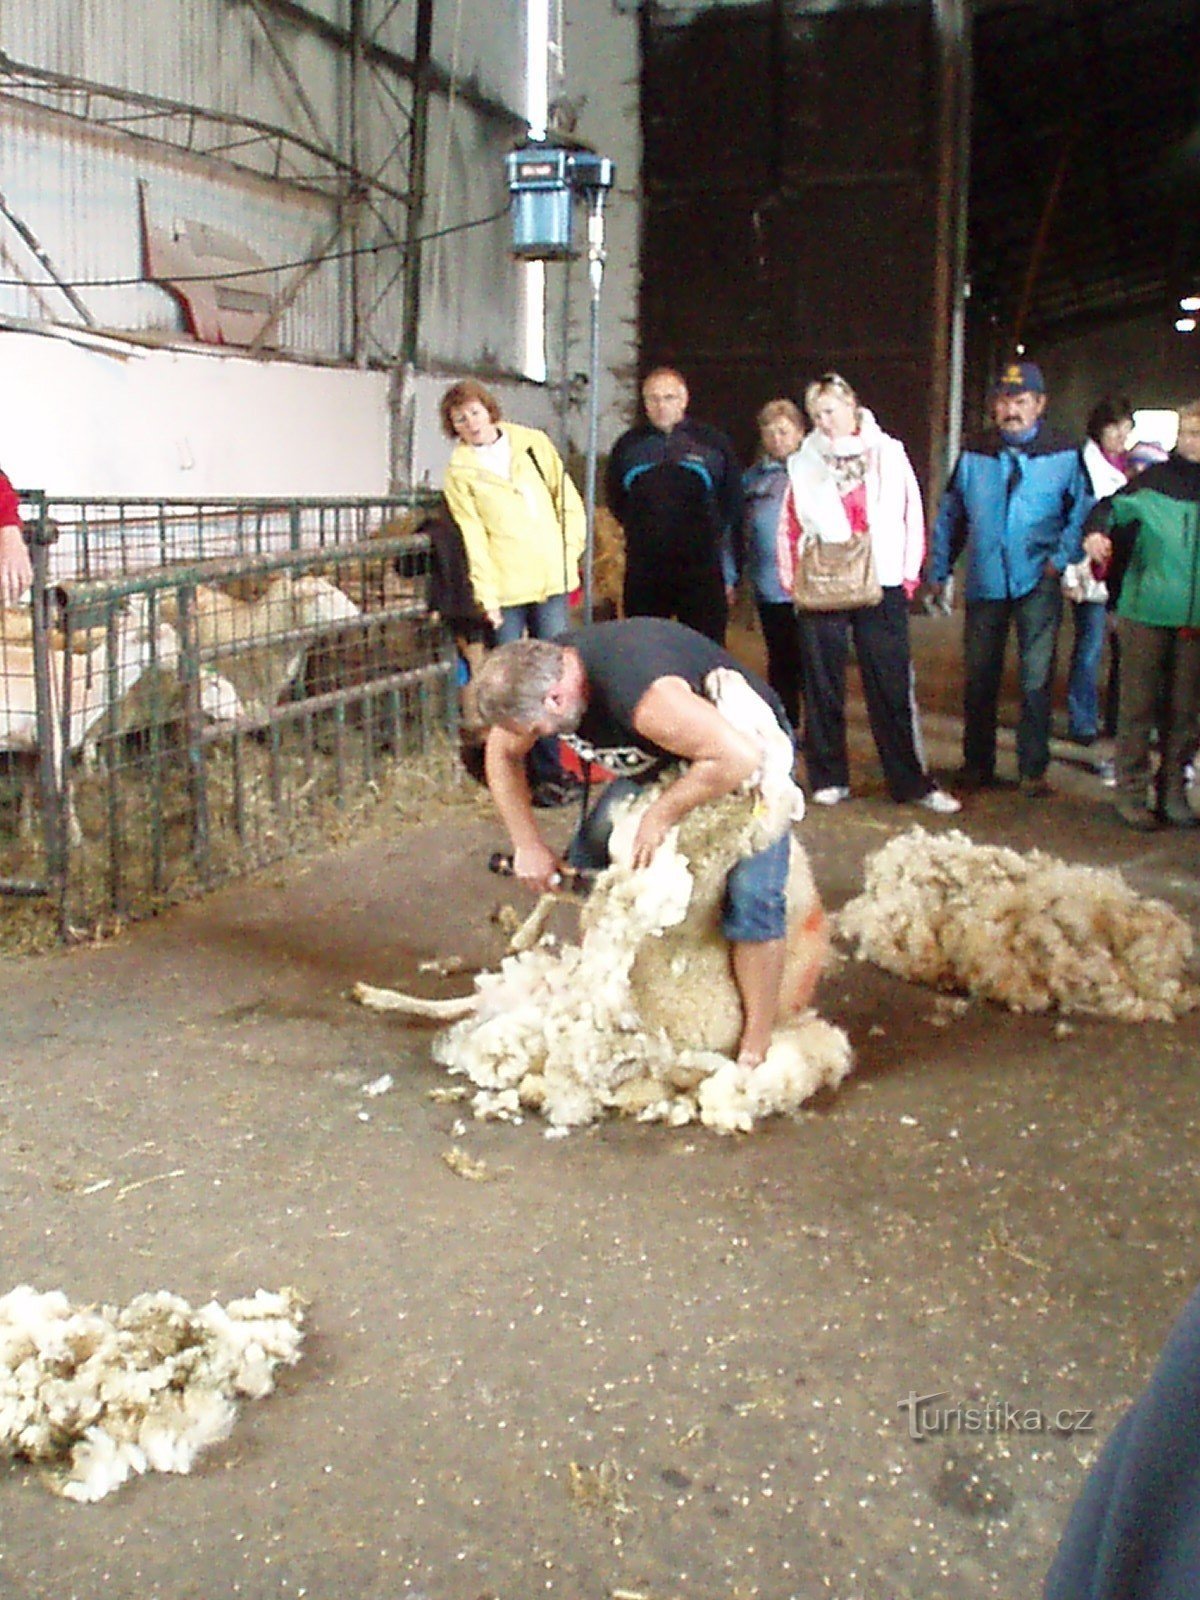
[{"x": 629, "y": 695}]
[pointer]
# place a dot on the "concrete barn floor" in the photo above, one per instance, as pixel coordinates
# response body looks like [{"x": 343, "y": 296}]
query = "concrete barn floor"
[{"x": 634, "y": 1364}]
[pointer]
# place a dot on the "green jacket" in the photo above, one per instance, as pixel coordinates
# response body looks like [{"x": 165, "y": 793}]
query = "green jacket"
[
  {"x": 1154, "y": 525},
  {"x": 524, "y": 535}
]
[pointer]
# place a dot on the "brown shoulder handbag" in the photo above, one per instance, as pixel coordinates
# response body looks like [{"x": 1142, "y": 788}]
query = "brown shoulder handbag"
[{"x": 836, "y": 577}]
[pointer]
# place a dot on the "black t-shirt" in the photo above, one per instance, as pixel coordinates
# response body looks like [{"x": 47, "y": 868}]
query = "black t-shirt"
[{"x": 622, "y": 660}]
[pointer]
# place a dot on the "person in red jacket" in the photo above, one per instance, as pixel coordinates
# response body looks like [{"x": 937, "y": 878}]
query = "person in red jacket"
[{"x": 16, "y": 569}]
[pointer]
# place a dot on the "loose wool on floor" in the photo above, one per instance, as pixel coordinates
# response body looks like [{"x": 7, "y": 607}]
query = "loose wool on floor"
[
  {"x": 1027, "y": 930},
  {"x": 97, "y": 1394}
]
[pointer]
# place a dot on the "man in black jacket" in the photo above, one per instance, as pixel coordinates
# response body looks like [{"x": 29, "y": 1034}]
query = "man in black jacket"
[{"x": 676, "y": 488}]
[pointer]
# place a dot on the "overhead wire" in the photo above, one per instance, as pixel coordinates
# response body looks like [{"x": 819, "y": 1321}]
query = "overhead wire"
[{"x": 253, "y": 272}]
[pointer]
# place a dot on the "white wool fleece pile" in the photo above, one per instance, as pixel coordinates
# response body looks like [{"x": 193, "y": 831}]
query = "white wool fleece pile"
[
  {"x": 570, "y": 1031},
  {"x": 1029, "y": 931},
  {"x": 98, "y": 1393}
]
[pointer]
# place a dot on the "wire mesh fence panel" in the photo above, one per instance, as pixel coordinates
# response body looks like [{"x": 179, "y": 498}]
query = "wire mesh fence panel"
[
  {"x": 215, "y": 715},
  {"x": 98, "y": 538},
  {"x": 23, "y": 866}
]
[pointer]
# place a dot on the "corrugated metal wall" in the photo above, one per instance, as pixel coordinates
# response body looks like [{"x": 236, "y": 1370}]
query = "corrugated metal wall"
[
  {"x": 795, "y": 207},
  {"x": 73, "y": 166},
  {"x": 78, "y": 189}
]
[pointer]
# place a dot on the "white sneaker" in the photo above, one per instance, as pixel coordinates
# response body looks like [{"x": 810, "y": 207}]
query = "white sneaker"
[
  {"x": 832, "y": 796},
  {"x": 945, "y": 805}
]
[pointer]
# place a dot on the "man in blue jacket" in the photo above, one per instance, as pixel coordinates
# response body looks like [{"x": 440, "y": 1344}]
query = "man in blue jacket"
[{"x": 1015, "y": 504}]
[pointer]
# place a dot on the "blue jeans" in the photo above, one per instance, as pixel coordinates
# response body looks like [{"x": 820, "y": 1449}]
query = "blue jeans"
[
  {"x": 540, "y": 619},
  {"x": 1037, "y": 616},
  {"x": 1083, "y": 694},
  {"x": 755, "y": 906}
]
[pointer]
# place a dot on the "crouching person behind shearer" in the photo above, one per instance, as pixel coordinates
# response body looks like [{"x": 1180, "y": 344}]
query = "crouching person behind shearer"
[{"x": 629, "y": 695}]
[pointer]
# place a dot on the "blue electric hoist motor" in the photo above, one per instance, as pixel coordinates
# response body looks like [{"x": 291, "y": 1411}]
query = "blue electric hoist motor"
[{"x": 543, "y": 181}]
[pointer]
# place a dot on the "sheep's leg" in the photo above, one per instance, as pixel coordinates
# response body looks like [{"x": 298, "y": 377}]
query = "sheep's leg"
[
  {"x": 530, "y": 931},
  {"x": 412, "y": 1005}
]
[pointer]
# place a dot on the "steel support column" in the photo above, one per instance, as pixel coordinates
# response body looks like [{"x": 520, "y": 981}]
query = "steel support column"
[{"x": 418, "y": 154}]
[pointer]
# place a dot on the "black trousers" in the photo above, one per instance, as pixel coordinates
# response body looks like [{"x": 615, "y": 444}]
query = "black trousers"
[
  {"x": 784, "y": 672},
  {"x": 880, "y": 636},
  {"x": 692, "y": 595}
]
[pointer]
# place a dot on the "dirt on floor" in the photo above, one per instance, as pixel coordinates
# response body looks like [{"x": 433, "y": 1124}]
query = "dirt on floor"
[{"x": 630, "y": 1364}]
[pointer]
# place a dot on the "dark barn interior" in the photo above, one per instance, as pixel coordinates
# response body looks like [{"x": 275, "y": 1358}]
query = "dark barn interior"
[{"x": 879, "y": 187}]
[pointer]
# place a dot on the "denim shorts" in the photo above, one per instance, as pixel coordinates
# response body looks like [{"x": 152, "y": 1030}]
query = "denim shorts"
[
  {"x": 755, "y": 908},
  {"x": 755, "y": 905}
]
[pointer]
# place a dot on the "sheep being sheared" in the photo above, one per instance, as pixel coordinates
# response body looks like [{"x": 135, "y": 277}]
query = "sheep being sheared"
[
  {"x": 1029, "y": 931},
  {"x": 643, "y": 1014},
  {"x": 98, "y": 1394}
]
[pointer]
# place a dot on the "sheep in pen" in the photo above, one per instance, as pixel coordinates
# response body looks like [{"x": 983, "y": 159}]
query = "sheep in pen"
[
  {"x": 642, "y": 1016},
  {"x": 88, "y": 672},
  {"x": 125, "y": 677}
]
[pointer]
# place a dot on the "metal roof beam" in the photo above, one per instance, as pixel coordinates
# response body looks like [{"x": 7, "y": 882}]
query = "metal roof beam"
[
  {"x": 42, "y": 82},
  {"x": 439, "y": 80}
]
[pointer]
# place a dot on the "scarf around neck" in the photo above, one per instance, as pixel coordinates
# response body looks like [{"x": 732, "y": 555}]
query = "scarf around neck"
[{"x": 823, "y": 470}]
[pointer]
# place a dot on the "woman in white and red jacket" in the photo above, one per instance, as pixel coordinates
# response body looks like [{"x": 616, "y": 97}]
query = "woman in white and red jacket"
[
  {"x": 850, "y": 478},
  {"x": 16, "y": 570}
]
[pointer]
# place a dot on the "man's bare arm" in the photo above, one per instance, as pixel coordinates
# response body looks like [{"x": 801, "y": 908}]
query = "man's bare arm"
[
  {"x": 504, "y": 764},
  {"x": 719, "y": 758}
]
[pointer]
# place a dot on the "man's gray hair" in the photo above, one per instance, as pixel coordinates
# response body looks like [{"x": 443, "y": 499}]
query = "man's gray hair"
[{"x": 513, "y": 682}]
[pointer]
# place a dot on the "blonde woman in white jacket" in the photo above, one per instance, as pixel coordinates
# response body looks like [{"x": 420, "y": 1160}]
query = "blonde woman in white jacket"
[{"x": 849, "y": 478}]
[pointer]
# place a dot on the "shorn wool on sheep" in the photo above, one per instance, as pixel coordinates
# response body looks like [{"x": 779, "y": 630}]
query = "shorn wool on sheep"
[
  {"x": 642, "y": 1016},
  {"x": 98, "y": 1394},
  {"x": 1027, "y": 930}
]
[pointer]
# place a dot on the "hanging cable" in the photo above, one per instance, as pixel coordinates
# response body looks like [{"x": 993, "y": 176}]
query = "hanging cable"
[{"x": 251, "y": 272}]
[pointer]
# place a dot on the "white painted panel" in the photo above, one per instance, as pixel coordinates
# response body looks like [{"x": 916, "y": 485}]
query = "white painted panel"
[{"x": 174, "y": 423}]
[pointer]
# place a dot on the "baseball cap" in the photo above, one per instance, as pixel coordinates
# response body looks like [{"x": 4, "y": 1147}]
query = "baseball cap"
[{"x": 1016, "y": 377}]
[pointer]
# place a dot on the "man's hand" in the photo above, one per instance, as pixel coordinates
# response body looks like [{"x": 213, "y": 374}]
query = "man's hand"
[
  {"x": 1097, "y": 547},
  {"x": 1049, "y": 570},
  {"x": 652, "y": 830},
  {"x": 504, "y": 763},
  {"x": 537, "y": 866},
  {"x": 16, "y": 569}
]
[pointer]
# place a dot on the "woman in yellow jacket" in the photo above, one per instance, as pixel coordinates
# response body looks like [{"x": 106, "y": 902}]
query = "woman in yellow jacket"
[
  {"x": 521, "y": 517},
  {"x": 523, "y": 525}
]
